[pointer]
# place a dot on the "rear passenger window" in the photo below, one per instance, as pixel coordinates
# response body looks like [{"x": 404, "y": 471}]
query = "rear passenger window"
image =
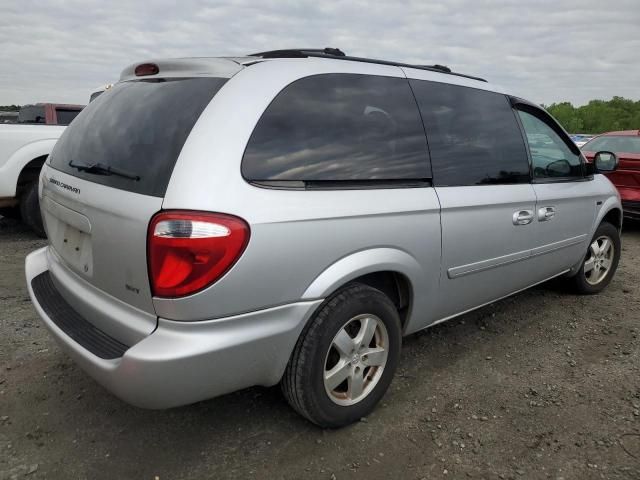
[
  {"x": 337, "y": 128},
  {"x": 551, "y": 157},
  {"x": 473, "y": 135}
]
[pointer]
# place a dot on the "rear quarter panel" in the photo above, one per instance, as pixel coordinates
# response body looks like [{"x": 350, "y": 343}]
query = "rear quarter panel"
[{"x": 304, "y": 244}]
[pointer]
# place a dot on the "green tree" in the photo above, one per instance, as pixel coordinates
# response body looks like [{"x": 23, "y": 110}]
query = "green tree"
[{"x": 598, "y": 116}]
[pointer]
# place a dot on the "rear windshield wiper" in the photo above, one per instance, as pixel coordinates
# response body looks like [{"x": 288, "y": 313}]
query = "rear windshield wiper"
[{"x": 100, "y": 169}]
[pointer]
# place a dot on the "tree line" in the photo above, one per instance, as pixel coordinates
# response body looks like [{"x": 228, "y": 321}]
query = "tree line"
[{"x": 597, "y": 116}]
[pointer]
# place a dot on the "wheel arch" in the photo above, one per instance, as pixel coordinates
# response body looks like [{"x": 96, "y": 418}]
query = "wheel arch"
[
  {"x": 611, "y": 212},
  {"x": 389, "y": 270},
  {"x": 29, "y": 173},
  {"x": 614, "y": 217},
  {"x": 22, "y": 164}
]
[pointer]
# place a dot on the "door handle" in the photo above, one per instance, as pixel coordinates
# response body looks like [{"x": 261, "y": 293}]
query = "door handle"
[
  {"x": 523, "y": 217},
  {"x": 546, "y": 213}
]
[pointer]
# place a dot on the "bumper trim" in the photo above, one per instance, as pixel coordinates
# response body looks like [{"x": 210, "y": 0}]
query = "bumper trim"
[{"x": 72, "y": 323}]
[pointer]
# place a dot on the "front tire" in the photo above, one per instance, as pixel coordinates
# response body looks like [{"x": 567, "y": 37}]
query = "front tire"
[
  {"x": 600, "y": 262},
  {"x": 30, "y": 210},
  {"x": 345, "y": 358}
]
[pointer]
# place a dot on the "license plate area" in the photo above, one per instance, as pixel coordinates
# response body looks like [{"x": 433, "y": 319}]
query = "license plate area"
[
  {"x": 69, "y": 235},
  {"x": 74, "y": 247}
]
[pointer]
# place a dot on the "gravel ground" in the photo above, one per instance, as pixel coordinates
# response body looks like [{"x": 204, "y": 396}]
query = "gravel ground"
[{"x": 541, "y": 385}]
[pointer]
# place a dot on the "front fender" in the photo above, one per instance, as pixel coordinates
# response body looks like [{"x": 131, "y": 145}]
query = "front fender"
[
  {"x": 608, "y": 205},
  {"x": 611, "y": 202}
]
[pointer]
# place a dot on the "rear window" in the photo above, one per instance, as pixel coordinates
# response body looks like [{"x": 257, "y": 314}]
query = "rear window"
[
  {"x": 339, "y": 128},
  {"x": 611, "y": 143},
  {"x": 31, "y": 114},
  {"x": 137, "y": 130},
  {"x": 65, "y": 115}
]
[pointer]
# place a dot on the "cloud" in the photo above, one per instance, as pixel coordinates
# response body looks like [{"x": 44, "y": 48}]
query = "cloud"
[{"x": 546, "y": 51}]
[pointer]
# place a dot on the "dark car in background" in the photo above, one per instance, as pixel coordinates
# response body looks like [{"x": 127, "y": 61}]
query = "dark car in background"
[{"x": 626, "y": 145}]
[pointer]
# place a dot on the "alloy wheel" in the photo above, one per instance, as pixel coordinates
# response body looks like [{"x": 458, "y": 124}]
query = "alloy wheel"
[
  {"x": 599, "y": 260},
  {"x": 356, "y": 359}
]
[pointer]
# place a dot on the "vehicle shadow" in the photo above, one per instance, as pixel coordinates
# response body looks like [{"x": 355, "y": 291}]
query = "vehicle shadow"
[
  {"x": 11, "y": 226},
  {"x": 631, "y": 227}
]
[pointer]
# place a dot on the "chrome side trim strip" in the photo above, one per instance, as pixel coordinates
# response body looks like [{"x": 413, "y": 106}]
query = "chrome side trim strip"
[
  {"x": 483, "y": 265},
  {"x": 552, "y": 247}
]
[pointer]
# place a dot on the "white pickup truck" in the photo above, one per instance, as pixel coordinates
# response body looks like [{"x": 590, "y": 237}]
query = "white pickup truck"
[{"x": 24, "y": 147}]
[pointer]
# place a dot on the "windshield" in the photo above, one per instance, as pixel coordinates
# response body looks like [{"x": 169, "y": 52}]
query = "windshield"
[
  {"x": 138, "y": 127},
  {"x": 611, "y": 143}
]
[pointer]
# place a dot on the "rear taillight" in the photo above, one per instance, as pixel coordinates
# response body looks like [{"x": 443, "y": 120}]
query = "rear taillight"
[{"x": 188, "y": 251}]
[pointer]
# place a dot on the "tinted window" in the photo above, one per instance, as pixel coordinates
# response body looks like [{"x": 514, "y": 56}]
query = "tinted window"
[
  {"x": 551, "y": 157},
  {"x": 611, "y": 143},
  {"x": 31, "y": 114},
  {"x": 339, "y": 127},
  {"x": 137, "y": 128},
  {"x": 64, "y": 116},
  {"x": 473, "y": 135}
]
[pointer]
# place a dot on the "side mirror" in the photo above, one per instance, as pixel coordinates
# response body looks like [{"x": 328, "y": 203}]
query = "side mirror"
[{"x": 605, "y": 161}]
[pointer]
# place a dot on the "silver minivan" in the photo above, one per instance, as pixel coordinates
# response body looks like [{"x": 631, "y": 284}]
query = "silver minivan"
[{"x": 287, "y": 217}]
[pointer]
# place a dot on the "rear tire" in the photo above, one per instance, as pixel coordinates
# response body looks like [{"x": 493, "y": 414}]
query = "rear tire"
[
  {"x": 30, "y": 210},
  {"x": 346, "y": 357},
  {"x": 600, "y": 262}
]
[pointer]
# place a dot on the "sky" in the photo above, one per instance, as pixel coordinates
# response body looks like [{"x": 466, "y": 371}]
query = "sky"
[{"x": 543, "y": 50}]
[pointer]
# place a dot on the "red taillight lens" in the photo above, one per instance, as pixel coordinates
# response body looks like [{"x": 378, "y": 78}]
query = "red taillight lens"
[
  {"x": 188, "y": 251},
  {"x": 145, "y": 69}
]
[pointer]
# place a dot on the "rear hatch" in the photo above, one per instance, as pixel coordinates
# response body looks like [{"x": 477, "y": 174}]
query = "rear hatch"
[{"x": 108, "y": 174}]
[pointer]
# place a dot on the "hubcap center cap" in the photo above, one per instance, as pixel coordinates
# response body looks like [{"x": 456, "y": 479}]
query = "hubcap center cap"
[{"x": 355, "y": 359}]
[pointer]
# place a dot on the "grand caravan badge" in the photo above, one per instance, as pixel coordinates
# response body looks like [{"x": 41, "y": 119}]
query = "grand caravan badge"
[{"x": 60, "y": 184}]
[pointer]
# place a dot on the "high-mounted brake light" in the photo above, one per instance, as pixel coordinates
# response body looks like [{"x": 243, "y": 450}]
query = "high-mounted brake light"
[
  {"x": 146, "y": 69},
  {"x": 188, "y": 251}
]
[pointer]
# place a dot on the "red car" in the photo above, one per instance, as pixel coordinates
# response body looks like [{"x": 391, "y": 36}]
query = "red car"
[{"x": 626, "y": 145}]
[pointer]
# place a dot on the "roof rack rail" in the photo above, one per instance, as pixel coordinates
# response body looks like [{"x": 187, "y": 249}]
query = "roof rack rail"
[
  {"x": 337, "y": 54},
  {"x": 442, "y": 68},
  {"x": 299, "y": 53}
]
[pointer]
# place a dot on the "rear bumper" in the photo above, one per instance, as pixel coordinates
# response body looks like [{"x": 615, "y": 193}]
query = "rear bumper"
[
  {"x": 180, "y": 362},
  {"x": 631, "y": 209}
]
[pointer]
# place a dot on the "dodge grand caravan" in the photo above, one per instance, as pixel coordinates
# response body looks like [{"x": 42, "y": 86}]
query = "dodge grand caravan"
[{"x": 287, "y": 217}]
